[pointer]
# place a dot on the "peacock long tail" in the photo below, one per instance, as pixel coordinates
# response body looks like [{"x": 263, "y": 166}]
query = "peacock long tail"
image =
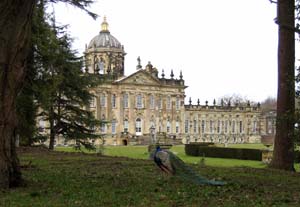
[{"x": 187, "y": 173}]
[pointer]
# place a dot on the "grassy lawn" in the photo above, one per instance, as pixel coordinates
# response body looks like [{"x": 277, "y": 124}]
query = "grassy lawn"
[
  {"x": 140, "y": 152},
  {"x": 63, "y": 179}
]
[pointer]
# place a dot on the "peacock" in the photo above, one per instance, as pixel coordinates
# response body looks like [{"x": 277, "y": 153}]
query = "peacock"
[{"x": 173, "y": 165}]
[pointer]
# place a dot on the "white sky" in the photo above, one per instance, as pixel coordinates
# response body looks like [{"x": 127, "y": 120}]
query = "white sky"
[{"x": 223, "y": 47}]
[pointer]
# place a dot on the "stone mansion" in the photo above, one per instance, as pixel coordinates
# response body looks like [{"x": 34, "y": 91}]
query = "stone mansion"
[{"x": 135, "y": 105}]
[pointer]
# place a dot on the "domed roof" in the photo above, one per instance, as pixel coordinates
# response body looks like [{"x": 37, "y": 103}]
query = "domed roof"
[{"x": 104, "y": 39}]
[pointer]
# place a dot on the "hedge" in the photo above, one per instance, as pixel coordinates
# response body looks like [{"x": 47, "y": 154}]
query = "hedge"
[{"x": 222, "y": 152}]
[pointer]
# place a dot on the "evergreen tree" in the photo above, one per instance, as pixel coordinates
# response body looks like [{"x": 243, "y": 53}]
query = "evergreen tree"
[
  {"x": 63, "y": 89},
  {"x": 15, "y": 35}
]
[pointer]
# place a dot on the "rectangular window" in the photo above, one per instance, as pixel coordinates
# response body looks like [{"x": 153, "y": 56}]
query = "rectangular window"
[
  {"x": 177, "y": 103},
  {"x": 160, "y": 103},
  {"x": 160, "y": 127},
  {"x": 233, "y": 126},
  {"x": 270, "y": 126},
  {"x": 203, "y": 126},
  {"x": 102, "y": 127},
  {"x": 211, "y": 126},
  {"x": 113, "y": 101},
  {"x": 125, "y": 100},
  {"x": 139, "y": 101},
  {"x": 254, "y": 130},
  {"x": 177, "y": 127},
  {"x": 126, "y": 125},
  {"x": 195, "y": 126},
  {"x": 93, "y": 102},
  {"x": 241, "y": 127},
  {"x": 219, "y": 127},
  {"x": 186, "y": 126},
  {"x": 152, "y": 102},
  {"x": 102, "y": 100},
  {"x": 138, "y": 126},
  {"x": 226, "y": 126},
  {"x": 168, "y": 127},
  {"x": 113, "y": 126},
  {"x": 169, "y": 102}
]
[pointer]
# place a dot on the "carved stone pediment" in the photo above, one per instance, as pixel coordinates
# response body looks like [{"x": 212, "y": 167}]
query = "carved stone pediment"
[{"x": 140, "y": 77}]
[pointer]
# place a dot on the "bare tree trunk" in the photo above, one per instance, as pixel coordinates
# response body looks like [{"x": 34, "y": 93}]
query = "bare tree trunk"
[
  {"x": 15, "y": 24},
  {"x": 283, "y": 157},
  {"x": 52, "y": 130}
]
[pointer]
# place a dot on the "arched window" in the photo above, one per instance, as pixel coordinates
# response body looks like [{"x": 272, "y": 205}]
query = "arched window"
[
  {"x": 101, "y": 66},
  {"x": 138, "y": 126}
]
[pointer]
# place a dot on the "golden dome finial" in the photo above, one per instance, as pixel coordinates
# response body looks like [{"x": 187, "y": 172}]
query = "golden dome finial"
[{"x": 104, "y": 25}]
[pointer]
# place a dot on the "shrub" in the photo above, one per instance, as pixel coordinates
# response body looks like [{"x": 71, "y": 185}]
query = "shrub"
[{"x": 212, "y": 151}]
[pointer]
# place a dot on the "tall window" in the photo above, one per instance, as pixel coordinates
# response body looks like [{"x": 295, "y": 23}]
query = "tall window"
[
  {"x": 219, "y": 127},
  {"x": 270, "y": 126},
  {"x": 152, "y": 123},
  {"x": 254, "y": 130},
  {"x": 177, "y": 103},
  {"x": 177, "y": 127},
  {"x": 169, "y": 102},
  {"x": 138, "y": 126},
  {"x": 168, "y": 126},
  {"x": 195, "y": 126},
  {"x": 139, "y": 101},
  {"x": 233, "y": 126},
  {"x": 113, "y": 101},
  {"x": 160, "y": 103},
  {"x": 113, "y": 126},
  {"x": 226, "y": 126},
  {"x": 152, "y": 102},
  {"x": 160, "y": 126},
  {"x": 126, "y": 125},
  {"x": 186, "y": 126},
  {"x": 93, "y": 102},
  {"x": 125, "y": 100},
  {"x": 102, "y": 100},
  {"x": 241, "y": 127},
  {"x": 211, "y": 126},
  {"x": 203, "y": 126},
  {"x": 102, "y": 127}
]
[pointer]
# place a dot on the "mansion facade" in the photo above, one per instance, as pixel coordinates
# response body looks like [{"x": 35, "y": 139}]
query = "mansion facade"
[{"x": 145, "y": 106}]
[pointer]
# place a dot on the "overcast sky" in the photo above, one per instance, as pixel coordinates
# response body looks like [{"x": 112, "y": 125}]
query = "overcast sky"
[{"x": 223, "y": 47}]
